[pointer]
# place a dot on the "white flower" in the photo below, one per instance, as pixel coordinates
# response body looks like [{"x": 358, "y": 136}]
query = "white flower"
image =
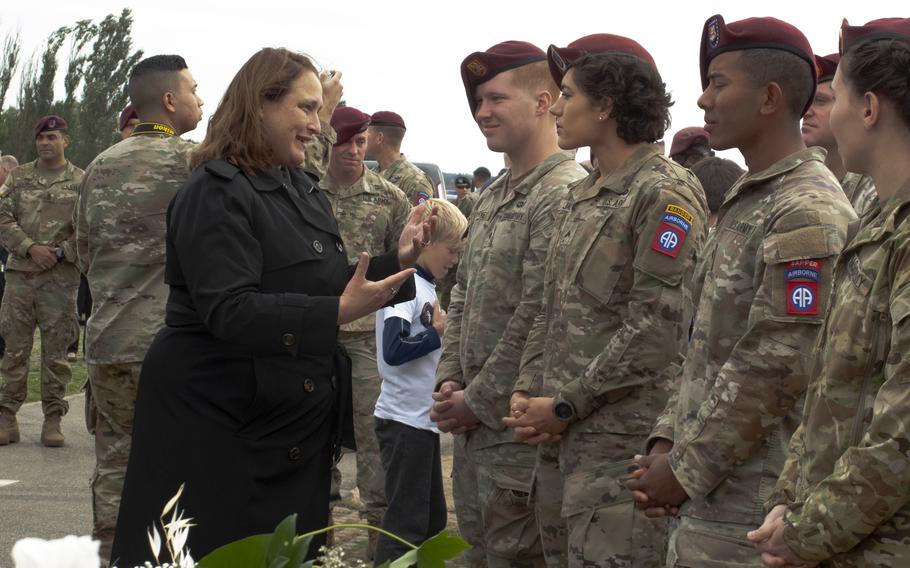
[{"x": 66, "y": 552}]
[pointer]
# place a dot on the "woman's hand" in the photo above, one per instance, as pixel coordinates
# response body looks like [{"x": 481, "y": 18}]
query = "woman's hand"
[
  {"x": 415, "y": 236},
  {"x": 362, "y": 296}
]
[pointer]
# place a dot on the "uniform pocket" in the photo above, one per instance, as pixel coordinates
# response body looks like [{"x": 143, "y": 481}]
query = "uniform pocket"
[{"x": 601, "y": 267}]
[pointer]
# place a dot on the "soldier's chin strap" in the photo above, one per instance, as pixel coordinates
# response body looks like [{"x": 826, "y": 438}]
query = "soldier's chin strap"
[{"x": 145, "y": 128}]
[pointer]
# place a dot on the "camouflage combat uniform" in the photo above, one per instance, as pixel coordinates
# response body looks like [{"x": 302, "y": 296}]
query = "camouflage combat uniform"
[
  {"x": 762, "y": 286},
  {"x": 615, "y": 318},
  {"x": 38, "y": 208},
  {"x": 319, "y": 150},
  {"x": 494, "y": 302},
  {"x": 860, "y": 192},
  {"x": 847, "y": 480},
  {"x": 371, "y": 214},
  {"x": 466, "y": 204},
  {"x": 410, "y": 179},
  {"x": 120, "y": 245}
]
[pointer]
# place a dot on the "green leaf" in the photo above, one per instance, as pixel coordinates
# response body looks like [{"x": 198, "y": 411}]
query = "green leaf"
[
  {"x": 434, "y": 552},
  {"x": 279, "y": 562},
  {"x": 405, "y": 561},
  {"x": 282, "y": 539},
  {"x": 385, "y": 564},
  {"x": 298, "y": 551},
  {"x": 246, "y": 552}
]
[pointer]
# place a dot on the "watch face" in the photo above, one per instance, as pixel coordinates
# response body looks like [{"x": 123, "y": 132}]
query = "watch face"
[{"x": 563, "y": 410}]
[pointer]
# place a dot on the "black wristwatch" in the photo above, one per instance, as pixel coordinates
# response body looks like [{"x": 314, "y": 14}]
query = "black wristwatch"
[
  {"x": 564, "y": 410},
  {"x": 61, "y": 256}
]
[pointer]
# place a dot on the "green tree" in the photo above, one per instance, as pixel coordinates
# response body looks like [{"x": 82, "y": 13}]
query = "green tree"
[
  {"x": 9, "y": 63},
  {"x": 98, "y": 65}
]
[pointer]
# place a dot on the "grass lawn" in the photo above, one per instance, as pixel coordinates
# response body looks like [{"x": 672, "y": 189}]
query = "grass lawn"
[{"x": 34, "y": 371}]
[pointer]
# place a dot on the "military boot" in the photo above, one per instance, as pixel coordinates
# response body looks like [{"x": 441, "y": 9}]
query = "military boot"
[
  {"x": 9, "y": 427},
  {"x": 51, "y": 436}
]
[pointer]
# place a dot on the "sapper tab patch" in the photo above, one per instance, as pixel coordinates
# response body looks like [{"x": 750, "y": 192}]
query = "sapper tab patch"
[
  {"x": 675, "y": 224},
  {"x": 802, "y": 277}
]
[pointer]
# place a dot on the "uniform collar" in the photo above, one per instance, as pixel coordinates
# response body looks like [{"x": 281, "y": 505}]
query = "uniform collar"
[
  {"x": 619, "y": 180},
  {"x": 787, "y": 164},
  {"x": 531, "y": 179},
  {"x": 364, "y": 184},
  {"x": 888, "y": 219}
]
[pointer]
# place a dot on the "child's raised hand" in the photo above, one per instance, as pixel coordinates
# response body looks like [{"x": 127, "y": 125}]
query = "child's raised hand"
[{"x": 439, "y": 319}]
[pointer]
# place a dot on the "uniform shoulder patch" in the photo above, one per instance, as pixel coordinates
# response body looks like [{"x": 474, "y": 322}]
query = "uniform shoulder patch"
[
  {"x": 675, "y": 224},
  {"x": 421, "y": 198},
  {"x": 802, "y": 277}
]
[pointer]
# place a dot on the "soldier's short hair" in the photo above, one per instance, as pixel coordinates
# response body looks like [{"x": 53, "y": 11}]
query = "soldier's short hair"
[
  {"x": 641, "y": 104},
  {"x": 482, "y": 173},
  {"x": 393, "y": 134},
  {"x": 717, "y": 176},
  {"x": 881, "y": 67},
  {"x": 151, "y": 78},
  {"x": 790, "y": 71},
  {"x": 534, "y": 78},
  {"x": 451, "y": 223}
]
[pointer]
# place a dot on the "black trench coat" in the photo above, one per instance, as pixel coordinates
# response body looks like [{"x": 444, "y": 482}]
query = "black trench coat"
[{"x": 238, "y": 396}]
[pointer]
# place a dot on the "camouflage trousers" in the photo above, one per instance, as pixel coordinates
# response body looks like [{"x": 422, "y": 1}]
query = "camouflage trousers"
[
  {"x": 605, "y": 528},
  {"x": 110, "y": 405},
  {"x": 494, "y": 505},
  {"x": 46, "y": 300},
  {"x": 554, "y": 535},
  {"x": 361, "y": 346},
  {"x": 698, "y": 543}
]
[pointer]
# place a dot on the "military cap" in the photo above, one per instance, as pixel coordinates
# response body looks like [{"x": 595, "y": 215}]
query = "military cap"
[
  {"x": 562, "y": 58},
  {"x": 753, "y": 33},
  {"x": 827, "y": 66},
  {"x": 884, "y": 28},
  {"x": 348, "y": 121},
  {"x": 387, "y": 118},
  {"x": 481, "y": 66},
  {"x": 685, "y": 138},
  {"x": 127, "y": 114},
  {"x": 49, "y": 122},
  {"x": 462, "y": 181}
]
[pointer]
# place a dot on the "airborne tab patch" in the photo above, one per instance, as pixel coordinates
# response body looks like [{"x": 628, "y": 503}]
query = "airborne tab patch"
[
  {"x": 802, "y": 277},
  {"x": 675, "y": 224}
]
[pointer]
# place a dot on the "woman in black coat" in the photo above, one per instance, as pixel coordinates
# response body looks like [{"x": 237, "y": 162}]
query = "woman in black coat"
[{"x": 245, "y": 393}]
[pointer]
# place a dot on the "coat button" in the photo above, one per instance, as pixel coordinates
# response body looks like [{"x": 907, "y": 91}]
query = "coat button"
[
  {"x": 289, "y": 339},
  {"x": 294, "y": 454},
  {"x": 308, "y": 385},
  {"x": 317, "y": 246},
  {"x": 339, "y": 246}
]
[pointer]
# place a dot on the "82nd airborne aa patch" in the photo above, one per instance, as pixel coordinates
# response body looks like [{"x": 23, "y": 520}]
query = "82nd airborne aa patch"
[
  {"x": 802, "y": 278},
  {"x": 675, "y": 224}
]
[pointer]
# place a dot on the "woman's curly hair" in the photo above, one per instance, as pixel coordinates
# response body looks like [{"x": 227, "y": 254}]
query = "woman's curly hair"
[{"x": 641, "y": 104}]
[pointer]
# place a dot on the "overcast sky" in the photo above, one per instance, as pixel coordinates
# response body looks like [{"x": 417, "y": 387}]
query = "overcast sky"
[{"x": 405, "y": 55}]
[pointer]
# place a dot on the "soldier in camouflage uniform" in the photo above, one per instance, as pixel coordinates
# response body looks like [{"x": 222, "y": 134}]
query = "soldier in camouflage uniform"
[
  {"x": 120, "y": 243},
  {"x": 384, "y": 145},
  {"x": 496, "y": 296},
  {"x": 842, "y": 499},
  {"x": 319, "y": 147},
  {"x": 371, "y": 214},
  {"x": 41, "y": 280},
  {"x": 615, "y": 313},
  {"x": 858, "y": 188},
  {"x": 761, "y": 287}
]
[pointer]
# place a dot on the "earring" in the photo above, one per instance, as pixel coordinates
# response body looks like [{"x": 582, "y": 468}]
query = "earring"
[{"x": 600, "y": 118}]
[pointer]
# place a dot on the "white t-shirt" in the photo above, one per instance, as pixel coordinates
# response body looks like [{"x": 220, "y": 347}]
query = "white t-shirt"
[{"x": 407, "y": 389}]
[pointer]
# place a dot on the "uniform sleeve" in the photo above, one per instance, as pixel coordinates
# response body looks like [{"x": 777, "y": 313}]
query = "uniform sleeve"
[
  {"x": 400, "y": 212},
  {"x": 665, "y": 425},
  {"x": 68, "y": 245},
  {"x": 80, "y": 227},
  {"x": 319, "y": 150},
  {"x": 221, "y": 262},
  {"x": 488, "y": 394},
  {"x": 767, "y": 370},
  {"x": 784, "y": 492},
  {"x": 668, "y": 234},
  {"x": 12, "y": 235},
  {"x": 871, "y": 481}
]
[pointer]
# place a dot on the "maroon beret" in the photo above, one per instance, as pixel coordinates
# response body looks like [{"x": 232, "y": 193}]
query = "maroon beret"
[
  {"x": 127, "y": 114},
  {"x": 884, "y": 28},
  {"x": 481, "y": 66},
  {"x": 562, "y": 58},
  {"x": 685, "y": 138},
  {"x": 388, "y": 118},
  {"x": 49, "y": 122},
  {"x": 753, "y": 33},
  {"x": 348, "y": 121},
  {"x": 827, "y": 66}
]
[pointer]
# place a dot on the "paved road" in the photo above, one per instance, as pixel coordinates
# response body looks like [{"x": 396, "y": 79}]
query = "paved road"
[{"x": 50, "y": 495}]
